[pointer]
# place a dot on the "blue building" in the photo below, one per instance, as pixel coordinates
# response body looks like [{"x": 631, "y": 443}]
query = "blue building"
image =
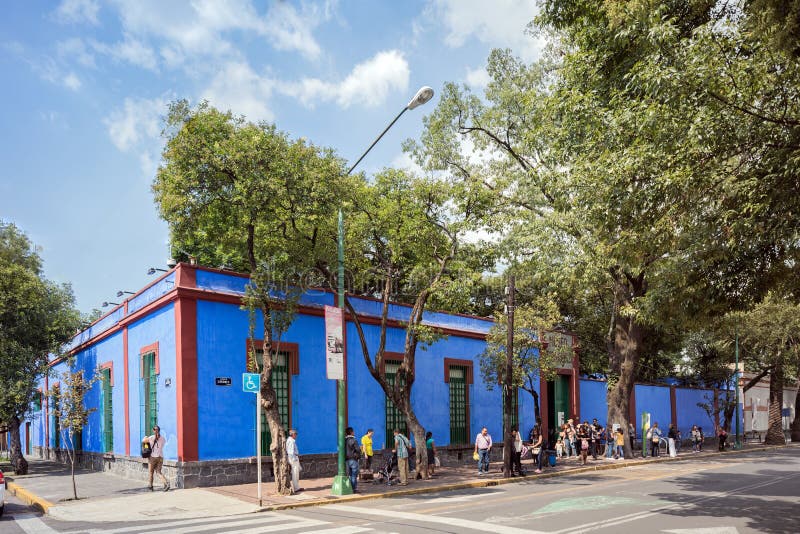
[{"x": 174, "y": 353}]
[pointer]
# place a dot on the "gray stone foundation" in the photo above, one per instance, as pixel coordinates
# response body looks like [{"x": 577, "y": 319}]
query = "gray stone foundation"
[{"x": 235, "y": 471}]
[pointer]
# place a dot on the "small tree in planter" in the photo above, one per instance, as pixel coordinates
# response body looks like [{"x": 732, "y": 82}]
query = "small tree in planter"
[{"x": 72, "y": 413}]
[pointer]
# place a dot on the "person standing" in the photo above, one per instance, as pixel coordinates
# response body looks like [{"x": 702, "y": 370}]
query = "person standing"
[
  {"x": 293, "y": 453},
  {"x": 352, "y": 454},
  {"x": 632, "y": 438},
  {"x": 516, "y": 459},
  {"x": 655, "y": 439},
  {"x": 537, "y": 448},
  {"x": 430, "y": 449},
  {"x": 619, "y": 440},
  {"x": 366, "y": 448},
  {"x": 483, "y": 447},
  {"x": 156, "y": 460},
  {"x": 583, "y": 441},
  {"x": 401, "y": 445},
  {"x": 695, "y": 439},
  {"x": 672, "y": 436}
]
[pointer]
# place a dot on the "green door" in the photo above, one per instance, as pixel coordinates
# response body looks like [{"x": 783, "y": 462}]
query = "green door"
[
  {"x": 561, "y": 400},
  {"x": 459, "y": 423},
  {"x": 280, "y": 383},
  {"x": 394, "y": 417}
]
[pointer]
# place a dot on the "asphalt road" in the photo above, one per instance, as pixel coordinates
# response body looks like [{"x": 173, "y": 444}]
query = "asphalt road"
[{"x": 755, "y": 492}]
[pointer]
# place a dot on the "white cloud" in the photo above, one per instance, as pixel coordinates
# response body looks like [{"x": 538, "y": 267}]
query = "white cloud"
[
  {"x": 72, "y": 11},
  {"x": 130, "y": 50},
  {"x": 477, "y": 78},
  {"x": 238, "y": 88},
  {"x": 136, "y": 122},
  {"x": 74, "y": 49},
  {"x": 369, "y": 83},
  {"x": 71, "y": 81},
  {"x": 501, "y": 25},
  {"x": 404, "y": 161}
]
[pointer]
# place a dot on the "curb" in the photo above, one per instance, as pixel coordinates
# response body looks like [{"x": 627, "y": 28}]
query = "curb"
[
  {"x": 502, "y": 481},
  {"x": 43, "y": 505}
]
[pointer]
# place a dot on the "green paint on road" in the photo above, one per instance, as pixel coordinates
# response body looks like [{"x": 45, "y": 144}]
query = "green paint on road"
[{"x": 590, "y": 503}]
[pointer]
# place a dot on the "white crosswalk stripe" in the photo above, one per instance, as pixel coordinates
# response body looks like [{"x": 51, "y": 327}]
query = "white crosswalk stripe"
[{"x": 256, "y": 523}]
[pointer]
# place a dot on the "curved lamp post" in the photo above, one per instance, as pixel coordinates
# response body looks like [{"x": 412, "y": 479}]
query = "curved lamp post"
[{"x": 341, "y": 483}]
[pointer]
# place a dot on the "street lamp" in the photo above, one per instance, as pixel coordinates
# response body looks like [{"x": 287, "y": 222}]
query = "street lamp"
[
  {"x": 152, "y": 270},
  {"x": 121, "y": 293},
  {"x": 106, "y": 304},
  {"x": 341, "y": 483}
]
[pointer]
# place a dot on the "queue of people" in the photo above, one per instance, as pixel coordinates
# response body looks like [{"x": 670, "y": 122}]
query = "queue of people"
[{"x": 571, "y": 440}]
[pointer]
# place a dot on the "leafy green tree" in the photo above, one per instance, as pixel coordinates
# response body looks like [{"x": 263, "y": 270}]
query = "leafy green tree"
[
  {"x": 770, "y": 341},
  {"x": 37, "y": 317},
  {"x": 405, "y": 233},
  {"x": 645, "y": 157},
  {"x": 247, "y": 196},
  {"x": 73, "y": 415}
]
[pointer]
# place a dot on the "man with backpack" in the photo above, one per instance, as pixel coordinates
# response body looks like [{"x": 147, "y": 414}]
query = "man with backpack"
[
  {"x": 401, "y": 446},
  {"x": 352, "y": 454}
]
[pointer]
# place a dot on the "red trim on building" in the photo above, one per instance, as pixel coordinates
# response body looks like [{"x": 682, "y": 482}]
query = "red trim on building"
[
  {"x": 292, "y": 349},
  {"x": 110, "y": 366},
  {"x": 394, "y": 357},
  {"x": 186, "y": 374},
  {"x": 673, "y": 405},
  {"x": 46, "y": 405},
  {"x": 464, "y": 363},
  {"x": 153, "y": 347}
]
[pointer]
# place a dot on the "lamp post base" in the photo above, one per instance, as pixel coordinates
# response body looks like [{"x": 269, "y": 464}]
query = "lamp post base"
[{"x": 341, "y": 485}]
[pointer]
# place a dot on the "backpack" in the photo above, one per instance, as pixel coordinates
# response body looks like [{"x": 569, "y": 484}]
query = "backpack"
[
  {"x": 146, "y": 450},
  {"x": 353, "y": 451}
]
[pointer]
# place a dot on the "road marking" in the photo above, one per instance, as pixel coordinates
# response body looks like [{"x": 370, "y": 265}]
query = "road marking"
[
  {"x": 710, "y": 530},
  {"x": 31, "y": 524},
  {"x": 588, "y": 527},
  {"x": 573, "y": 489},
  {"x": 343, "y": 530},
  {"x": 389, "y": 514},
  {"x": 283, "y": 527},
  {"x": 193, "y": 525}
]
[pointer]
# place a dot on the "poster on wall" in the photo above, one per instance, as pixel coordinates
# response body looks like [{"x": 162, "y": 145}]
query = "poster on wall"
[{"x": 334, "y": 344}]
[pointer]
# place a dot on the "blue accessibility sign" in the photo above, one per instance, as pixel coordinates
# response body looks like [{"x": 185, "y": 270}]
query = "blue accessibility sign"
[{"x": 251, "y": 382}]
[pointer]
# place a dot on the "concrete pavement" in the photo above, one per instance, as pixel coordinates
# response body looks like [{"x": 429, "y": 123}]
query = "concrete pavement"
[{"x": 106, "y": 497}]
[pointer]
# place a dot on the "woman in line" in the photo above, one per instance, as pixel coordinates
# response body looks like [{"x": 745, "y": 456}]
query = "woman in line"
[
  {"x": 430, "y": 448},
  {"x": 537, "y": 449},
  {"x": 583, "y": 441}
]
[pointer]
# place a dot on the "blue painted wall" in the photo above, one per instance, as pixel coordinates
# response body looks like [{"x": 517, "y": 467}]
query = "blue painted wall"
[
  {"x": 655, "y": 400},
  {"x": 158, "y": 326},
  {"x": 593, "y": 401},
  {"x": 690, "y": 414}
]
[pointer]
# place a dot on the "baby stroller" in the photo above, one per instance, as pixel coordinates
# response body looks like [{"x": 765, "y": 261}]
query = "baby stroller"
[{"x": 388, "y": 472}]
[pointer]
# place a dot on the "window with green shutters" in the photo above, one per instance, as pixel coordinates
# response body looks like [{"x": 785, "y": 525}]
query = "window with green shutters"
[
  {"x": 280, "y": 383},
  {"x": 108, "y": 419},
  {"x": 56, "y": 418},
  {"x": 514, "y": 409},
  {"x": 148, "y": 394},
  {"x": 459, "y": 423},
  {"x": 394, "y": 417}
]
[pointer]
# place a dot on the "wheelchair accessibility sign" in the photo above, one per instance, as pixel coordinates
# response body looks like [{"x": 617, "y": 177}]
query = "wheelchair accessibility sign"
[{"x": 251, "y": 382}]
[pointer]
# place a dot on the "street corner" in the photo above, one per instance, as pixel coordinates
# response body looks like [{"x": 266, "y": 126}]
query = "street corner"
[{"x": 29, "y": 498}]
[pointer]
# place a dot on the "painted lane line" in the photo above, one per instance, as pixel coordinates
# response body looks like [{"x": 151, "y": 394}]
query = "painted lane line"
[
  {"x": 597, "y": 525},
  {"x": 197, "y": 524},
  {"x": 257, "y": 522},
  {"x": 708, "y": 530},
  {"x": 31, "y": 524},
  {"x": 343, "y": 530},
  {"x": 389, "y": 514},
  {"x": 285, "y": 527}
]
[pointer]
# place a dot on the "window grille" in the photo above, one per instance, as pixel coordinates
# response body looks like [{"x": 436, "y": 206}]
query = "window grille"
[
  {"x": 459, "y": 424},
  {"x": 108, "y": 419},
  {"x": 394, "y": 417}
]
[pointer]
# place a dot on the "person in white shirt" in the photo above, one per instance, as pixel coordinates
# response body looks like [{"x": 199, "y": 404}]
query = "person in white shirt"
[
  {"x": 294, "y": 459},
  {"x": 156, "y": 460}
]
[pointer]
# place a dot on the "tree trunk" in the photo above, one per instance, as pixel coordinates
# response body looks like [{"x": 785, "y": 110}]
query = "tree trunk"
[
  {"x": 71, "y": 453},
  {"x": 624, "y": 347},
  {"x": 282, "y": 469},
  {"x": 775, "y": 434},
  {"x": 508, "y": 443},
  {"x": 420, "y": 451},
  {"x": 18, "y": 461},
  {"x": 796, "y": 422},
  {"x": 537, "y": 416}
]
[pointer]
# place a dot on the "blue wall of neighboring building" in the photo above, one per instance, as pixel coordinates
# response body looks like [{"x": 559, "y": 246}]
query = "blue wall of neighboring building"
[
  {"x": 654, "y": 400},
  {"x": 689, "y": 413},
  {"x": 593, "y": 401}
]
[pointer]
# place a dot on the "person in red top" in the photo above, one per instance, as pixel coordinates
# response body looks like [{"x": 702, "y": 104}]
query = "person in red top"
[{"x": 156, "y": 460}]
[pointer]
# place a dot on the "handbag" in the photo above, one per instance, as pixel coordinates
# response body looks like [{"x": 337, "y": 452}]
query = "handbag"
[
  {"x": 537, "y": 450},
  {"x": 475, "y": 456},
  {"x": 436, "y": 461},
  {"x": 146, "y": 450}
]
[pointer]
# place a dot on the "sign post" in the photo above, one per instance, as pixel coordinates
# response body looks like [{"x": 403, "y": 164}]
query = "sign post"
[{"x": 251, "y": 383}]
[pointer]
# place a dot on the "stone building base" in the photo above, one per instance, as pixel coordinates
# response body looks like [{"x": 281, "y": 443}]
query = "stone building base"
[{"x": 234, "y": 471}]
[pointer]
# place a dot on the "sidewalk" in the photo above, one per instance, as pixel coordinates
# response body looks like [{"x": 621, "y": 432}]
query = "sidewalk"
[{"x": 106, "y": 497}]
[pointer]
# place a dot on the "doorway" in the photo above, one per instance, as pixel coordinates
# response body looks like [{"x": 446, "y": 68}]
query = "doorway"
[{"x": 558, "y": 406}]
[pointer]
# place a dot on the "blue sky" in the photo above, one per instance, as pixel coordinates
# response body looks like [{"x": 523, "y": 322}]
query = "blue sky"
[{"x": 86, "y": 84}]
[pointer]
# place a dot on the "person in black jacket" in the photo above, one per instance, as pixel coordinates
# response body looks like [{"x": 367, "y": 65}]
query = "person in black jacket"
[{"x": 352, "y": 454}]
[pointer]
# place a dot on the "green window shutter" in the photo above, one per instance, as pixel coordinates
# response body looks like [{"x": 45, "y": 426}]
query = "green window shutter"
[
  {"x": 280, "y": 383},
  {"x": 459, "y": 426},
  {"x": 394, "y": 417},
  {"x": 148, "y": 394},
  {"x": 108, "y": 419},
  {"x": 514, "y": 410}
]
